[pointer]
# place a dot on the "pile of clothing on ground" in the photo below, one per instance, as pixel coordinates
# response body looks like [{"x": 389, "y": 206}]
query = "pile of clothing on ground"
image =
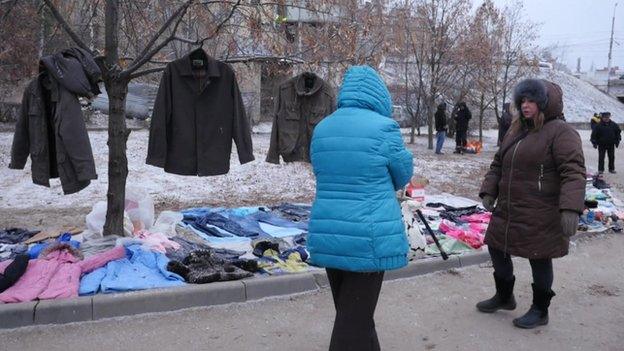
[
  {"x": 197, "y": 246},
  {"x": 603, "y": 211},
  {"x": 458, "y": 223}
]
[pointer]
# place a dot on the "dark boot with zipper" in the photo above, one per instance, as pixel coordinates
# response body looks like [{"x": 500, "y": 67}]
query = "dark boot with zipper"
[
  {"x": 504, "y": 298},
  {"x": 538, "y": 313}
]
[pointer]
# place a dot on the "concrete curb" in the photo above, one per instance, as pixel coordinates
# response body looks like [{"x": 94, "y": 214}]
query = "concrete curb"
[{"x": 161, "y": 300}]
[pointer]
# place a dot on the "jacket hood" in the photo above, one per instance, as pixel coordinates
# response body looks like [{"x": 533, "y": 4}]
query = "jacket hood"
[
  {"x": 62, "y": 252},
  {"x": 74, "y": 69},
  {"x": 547, "y": 95},
  {"x": 363, "y": 88}
]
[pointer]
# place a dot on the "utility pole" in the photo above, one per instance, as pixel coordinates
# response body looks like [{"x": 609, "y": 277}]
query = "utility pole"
[{"x": 610, "y": 49}]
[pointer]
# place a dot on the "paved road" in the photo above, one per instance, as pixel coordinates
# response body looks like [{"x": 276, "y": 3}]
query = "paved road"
[{"x": 434, "y": 312}]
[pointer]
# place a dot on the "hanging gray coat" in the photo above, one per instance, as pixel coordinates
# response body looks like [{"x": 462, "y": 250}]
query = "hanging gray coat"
[
  {"x": 298, "y": 109},
  {"x": 51, "y": 126},
  {"x": 197, "y": 114}
]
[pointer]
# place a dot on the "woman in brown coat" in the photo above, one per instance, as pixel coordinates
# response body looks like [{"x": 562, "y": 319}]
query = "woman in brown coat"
[{"x": 535, "y": 189}]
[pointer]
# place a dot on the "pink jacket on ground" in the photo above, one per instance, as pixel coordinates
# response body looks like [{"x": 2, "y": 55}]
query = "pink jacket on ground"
[{"x": 56, "y": 273}]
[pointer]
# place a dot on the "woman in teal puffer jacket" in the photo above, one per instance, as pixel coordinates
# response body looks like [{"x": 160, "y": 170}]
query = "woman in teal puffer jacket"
[{"x": 356, "y": 231}]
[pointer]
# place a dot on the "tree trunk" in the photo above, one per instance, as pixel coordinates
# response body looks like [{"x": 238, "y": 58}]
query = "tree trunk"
[
  {"x": 117, "y": 89},
  {"x": 117, "y": 161},
  {"x": 417, "y": 115},
  {"x": 430, "y": 110},
  {"x": 481, "y": 111}
]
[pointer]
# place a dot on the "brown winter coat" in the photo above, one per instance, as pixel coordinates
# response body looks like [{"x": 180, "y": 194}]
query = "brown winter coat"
[
  {"x": 535, "y": 175},
  {"x": 297, "y": 111},
  {"x": 51, "y": 127}
]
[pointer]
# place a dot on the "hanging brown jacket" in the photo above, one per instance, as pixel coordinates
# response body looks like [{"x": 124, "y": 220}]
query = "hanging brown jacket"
[
  {"x": 51, "y": 126},
  {"x": 195, "y": 119},
  {"x": 297, "y": 111},
  {"x": 534, "y": 176}
]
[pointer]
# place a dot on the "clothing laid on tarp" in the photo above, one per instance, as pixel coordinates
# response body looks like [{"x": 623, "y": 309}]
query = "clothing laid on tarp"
[
  {"x": 300, "y": 104},
  {"x": 51, "y": 127},
  {"x": 197, "y": 113}
]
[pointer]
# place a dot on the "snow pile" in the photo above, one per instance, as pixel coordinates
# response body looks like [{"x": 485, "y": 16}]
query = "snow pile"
[{"x": 581, "y": 99}]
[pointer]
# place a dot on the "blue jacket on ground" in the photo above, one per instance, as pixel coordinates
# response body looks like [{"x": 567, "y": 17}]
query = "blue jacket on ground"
[
  {"x": 142, "y": 269},
  {"x": 359, "y": 160}
]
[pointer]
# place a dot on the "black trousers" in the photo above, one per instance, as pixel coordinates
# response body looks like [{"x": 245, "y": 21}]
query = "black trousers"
[
  {"x": 461, "y": 138},
  {"x": 610, "y": 150},
  {"x": 542, "y": 269},
  {"x": 355, "y": 298}
]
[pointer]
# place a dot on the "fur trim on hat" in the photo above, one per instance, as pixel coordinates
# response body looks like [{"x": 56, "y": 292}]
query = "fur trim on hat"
[
  {"x": 59, "y": 247},
  {"x": 532, "y": 89}
]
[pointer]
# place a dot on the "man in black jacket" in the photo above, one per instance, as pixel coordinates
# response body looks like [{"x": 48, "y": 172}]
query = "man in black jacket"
[
  {"x": 440, "y": 125},
  {"x": 605, "y": 136},
  {"x": 462, "y": 118}
]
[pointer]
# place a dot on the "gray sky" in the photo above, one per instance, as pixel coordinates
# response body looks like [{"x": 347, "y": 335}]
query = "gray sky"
[{"x": 581, "y": 28}]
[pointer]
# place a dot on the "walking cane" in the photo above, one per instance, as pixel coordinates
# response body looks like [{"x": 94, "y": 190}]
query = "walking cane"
[{"x": 432, "y": 234}]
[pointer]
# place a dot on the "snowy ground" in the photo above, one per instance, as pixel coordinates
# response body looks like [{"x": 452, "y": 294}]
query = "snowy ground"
[{"x": 24, "y": 204}]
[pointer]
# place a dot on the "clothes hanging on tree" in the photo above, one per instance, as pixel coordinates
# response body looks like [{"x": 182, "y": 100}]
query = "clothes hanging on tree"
[
  {"x": 197, "y": 113},
  {"x": 51, "y": 127},
  {"x": 300, "y": 104}
]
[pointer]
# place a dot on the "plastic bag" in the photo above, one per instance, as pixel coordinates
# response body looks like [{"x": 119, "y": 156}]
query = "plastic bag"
[
  {"x": 166, "y": 223},
  {"x": 96, "y": 219},
  {"x": 140, "y": 207},
  {"x": 415, "y": 236}
]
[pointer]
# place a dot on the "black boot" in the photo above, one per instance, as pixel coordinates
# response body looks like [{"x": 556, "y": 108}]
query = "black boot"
[
  {"x": 538, "y": 313},
  {"x": 504, "y": 298}
]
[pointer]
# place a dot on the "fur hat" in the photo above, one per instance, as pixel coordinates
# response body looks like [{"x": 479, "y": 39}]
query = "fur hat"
[
  {"x": 547, "y": 95},
  {"x": 59, "y": 247}
]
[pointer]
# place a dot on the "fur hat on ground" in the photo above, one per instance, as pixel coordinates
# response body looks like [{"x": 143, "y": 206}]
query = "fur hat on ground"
[
  {"x": 60, "y": 247},
  {"x": 547, "y": 95}
]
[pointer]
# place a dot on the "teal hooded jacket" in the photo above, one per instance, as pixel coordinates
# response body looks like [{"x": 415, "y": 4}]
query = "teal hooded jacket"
[{"x": 359, "y": 160}]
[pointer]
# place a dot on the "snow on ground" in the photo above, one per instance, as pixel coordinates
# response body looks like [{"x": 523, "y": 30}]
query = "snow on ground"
[
  {"x": 581, "y": 99},
  {"x": 257, "y": 182}
]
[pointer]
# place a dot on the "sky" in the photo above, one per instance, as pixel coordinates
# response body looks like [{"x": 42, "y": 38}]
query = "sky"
[{"x": 580, "y": 28}]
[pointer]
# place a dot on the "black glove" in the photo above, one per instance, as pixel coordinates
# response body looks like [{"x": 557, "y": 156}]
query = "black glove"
[
  {"x": 569, "y": 222},
  {"x": 595, "y": 146},
  {"x": 488, "y": 202},
  {"x": 617, "y": 145}
]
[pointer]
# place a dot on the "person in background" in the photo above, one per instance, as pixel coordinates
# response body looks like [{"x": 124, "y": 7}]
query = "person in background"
[
  {"x": 505, "y": 122},
  {"x": 462, "y": 118},
  {"x": 535, "y": 189},
  {"x": 440, "y": 125},
  {"x": 594, "y": 121},
  {"x": 605, "y": 137},
  {"x": 356, "y": 230}
]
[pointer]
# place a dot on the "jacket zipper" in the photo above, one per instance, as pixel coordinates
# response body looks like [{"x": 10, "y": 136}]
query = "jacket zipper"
[
  {"x": 541, "y": 177},
  {"x": 513, "y": 157}
]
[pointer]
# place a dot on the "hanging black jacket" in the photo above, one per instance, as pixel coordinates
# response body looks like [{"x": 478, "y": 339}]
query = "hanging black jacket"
[
  {"x": 195, "y": 119},
  {"x": 297, "y": 111},
  {"x": 51, "y": 126},
  {"x": 606, "y": 134}
]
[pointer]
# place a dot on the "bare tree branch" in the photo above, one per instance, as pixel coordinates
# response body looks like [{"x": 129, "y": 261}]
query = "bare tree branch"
[
  {"x": 147, "y": 54},
  {"x": 146, "y": 72},
  {"x": 179, "y": 12},
  {"x": 61, "y": 20}
]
